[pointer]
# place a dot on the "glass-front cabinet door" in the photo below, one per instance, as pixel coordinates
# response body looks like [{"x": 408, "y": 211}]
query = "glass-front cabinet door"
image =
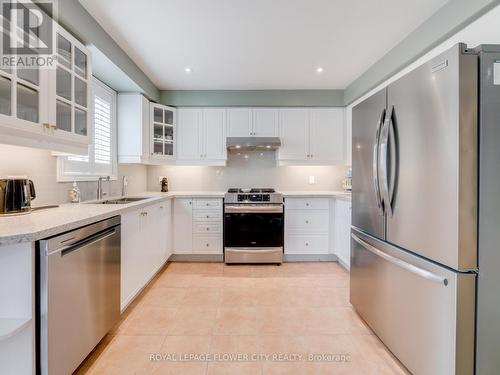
[
  {"x": 23, "y": 100},
  {"x": 69, "y": 102},
  {"x": 162, "y": 131}
]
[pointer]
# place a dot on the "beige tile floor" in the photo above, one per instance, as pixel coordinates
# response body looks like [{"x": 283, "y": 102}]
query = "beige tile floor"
[{"x": 214, "y": 309}]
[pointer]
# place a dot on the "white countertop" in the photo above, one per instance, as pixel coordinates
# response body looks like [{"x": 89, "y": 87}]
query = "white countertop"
[
  {"x": 322, "y": 193},
  {"x": 68, "y": 216}
]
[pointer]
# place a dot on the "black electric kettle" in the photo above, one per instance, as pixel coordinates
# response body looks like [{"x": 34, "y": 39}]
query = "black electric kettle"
[{"x": 16, "y": 195}]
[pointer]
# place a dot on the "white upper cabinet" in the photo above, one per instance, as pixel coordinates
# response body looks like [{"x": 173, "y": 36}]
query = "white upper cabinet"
[
  {"x": 189, "y": 134},
  {"x": 252, "y": 122},
  {"x": 201, "y": 136},
  {"x": 214, "y": 127},
  {"x": 70, "y": 83},
  {"x": 133, "y": 129},
  {"x": 312, "y": 136},
  {"x": 326, "y": 137},
  {"x": 265, "y": 122},
  {"x": 239, "y": 122},
  {"x": 49, "y": 107},
  {"x": 162, "y": 133},
  {"x": 294, "y": 134}
]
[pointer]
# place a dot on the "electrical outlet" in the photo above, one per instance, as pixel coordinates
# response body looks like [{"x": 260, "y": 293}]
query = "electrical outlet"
[{"x": 312, "y": 180}]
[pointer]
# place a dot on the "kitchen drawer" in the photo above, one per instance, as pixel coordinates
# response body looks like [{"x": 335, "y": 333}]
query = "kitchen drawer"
[
  {"x": 207, "y": 244},
  {"x": 306, "y": 244},
  {"x": 207, "y": 215},
  {"x": 206, "y": 204},
  {"x": 307, "y": 203},
  {"x": 207, "y": 228},
  {"x": 307, "y": 220}
]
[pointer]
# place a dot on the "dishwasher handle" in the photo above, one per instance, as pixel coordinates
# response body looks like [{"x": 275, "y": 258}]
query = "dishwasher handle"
[{"x": 65, "y": 250}]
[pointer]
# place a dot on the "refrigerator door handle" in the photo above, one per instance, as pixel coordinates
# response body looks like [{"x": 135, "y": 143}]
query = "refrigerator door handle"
[
  {"x": 402, "y": 264},
  {"x": 383, "y": 160},
  {"x": 376, "y": 145}
]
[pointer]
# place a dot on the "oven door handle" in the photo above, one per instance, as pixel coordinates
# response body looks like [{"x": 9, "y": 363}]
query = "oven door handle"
[
  {"x": 257, "y": 209},
  {"x": 253, "y": 250}
]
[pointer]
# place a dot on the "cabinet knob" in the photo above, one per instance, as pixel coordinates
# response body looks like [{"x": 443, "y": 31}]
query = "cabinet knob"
[
  {"x": 307, "y": 243},
  {"x": 208, "y": 245},
  {"x": 307, "y": 204},
  {"x": 208, "y": 216},
  {"x": 190, "y": 202},
  {"x": 307, "y": 221}
]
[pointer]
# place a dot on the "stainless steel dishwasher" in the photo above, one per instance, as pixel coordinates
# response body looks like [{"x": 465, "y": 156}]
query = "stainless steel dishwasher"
[{"x": 79, "y": 294}]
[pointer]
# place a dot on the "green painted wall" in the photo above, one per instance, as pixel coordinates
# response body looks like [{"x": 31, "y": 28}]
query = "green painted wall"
[
  {"x": 264, "y": 98},
  {"x": 75, "y": 18}
]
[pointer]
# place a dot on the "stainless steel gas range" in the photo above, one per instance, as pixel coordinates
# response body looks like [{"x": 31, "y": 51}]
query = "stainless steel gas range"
[{"x": 253, "y": 226}]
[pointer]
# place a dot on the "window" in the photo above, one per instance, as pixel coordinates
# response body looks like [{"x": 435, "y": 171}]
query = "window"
[{"x": 101, "y": 159}]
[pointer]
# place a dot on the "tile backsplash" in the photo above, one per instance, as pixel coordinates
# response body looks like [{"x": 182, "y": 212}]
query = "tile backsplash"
[
  {"x": 252, "y": 169},
  {"x": 40, "y": 166}
]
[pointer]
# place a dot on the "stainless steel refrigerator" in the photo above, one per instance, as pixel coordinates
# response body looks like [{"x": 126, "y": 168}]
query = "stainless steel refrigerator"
[{"x": 425, "y": 246}]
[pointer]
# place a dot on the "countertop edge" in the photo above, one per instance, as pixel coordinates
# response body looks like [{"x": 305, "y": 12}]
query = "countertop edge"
[{"x": 155, "y": 197}]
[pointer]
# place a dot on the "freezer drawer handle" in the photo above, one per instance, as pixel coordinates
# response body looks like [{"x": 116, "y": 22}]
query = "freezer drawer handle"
[{"x": 400, "y": 263}]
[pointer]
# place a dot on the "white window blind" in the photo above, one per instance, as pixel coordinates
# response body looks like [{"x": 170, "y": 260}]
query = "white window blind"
[{"x": 101, "y": 159}]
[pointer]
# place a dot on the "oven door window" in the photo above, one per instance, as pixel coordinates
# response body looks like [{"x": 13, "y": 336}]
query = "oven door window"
[{"x": 253, "y": 230}]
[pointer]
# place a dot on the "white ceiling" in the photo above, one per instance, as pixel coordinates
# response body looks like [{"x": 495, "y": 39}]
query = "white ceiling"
[{"x": 258, "y": 44}]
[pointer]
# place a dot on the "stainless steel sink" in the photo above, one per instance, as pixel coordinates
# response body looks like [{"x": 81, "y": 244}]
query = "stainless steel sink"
[{"x": 122, "y": 200}]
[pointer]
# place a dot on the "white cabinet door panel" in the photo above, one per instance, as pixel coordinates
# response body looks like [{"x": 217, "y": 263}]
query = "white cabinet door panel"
[
  {"x": 327, "y": 134},
  {"x": 206, "y": 204},
  {"x": 307, "y": 203},
  {"x": 189, "y": 145},
  {"x": 207, "y": 215},
  {"x": 265, "y": 122},
  {"x": 294, "y": 133},
  {"x": 183, "y": 226},
  {"x": 207, "y": 244},
  {"x": 239, "y": 122},
  {"x": 207, "y": 228},
  {"x": 306, "y": 244},
  {"x": 308, "y": 221},
  {"x": 342, "y": 231},
  {"x": 214, "y": 130}
]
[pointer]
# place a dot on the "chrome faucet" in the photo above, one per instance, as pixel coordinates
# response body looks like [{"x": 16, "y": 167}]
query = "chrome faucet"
[{"x": 99, "y": 186}]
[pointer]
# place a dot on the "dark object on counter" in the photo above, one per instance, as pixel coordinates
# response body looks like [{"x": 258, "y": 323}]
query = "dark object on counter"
[
  {"x": 164, "y": 185},
  {"x": 16, "y": 195}
]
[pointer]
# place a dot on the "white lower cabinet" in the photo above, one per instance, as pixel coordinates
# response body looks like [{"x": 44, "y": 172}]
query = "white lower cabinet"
[
  {"x": 307, "y": 226},
  {"x": 145, "y": 247},
  {"x": 342, "y": 231},
  {"x": 197, "y": 226}
]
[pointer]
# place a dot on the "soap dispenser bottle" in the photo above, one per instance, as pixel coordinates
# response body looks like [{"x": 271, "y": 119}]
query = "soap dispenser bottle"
[{"x": 75, "y": 193}]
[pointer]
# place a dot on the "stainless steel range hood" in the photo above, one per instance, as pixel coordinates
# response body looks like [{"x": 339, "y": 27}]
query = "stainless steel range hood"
[{"x": 253, "y": 143}]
